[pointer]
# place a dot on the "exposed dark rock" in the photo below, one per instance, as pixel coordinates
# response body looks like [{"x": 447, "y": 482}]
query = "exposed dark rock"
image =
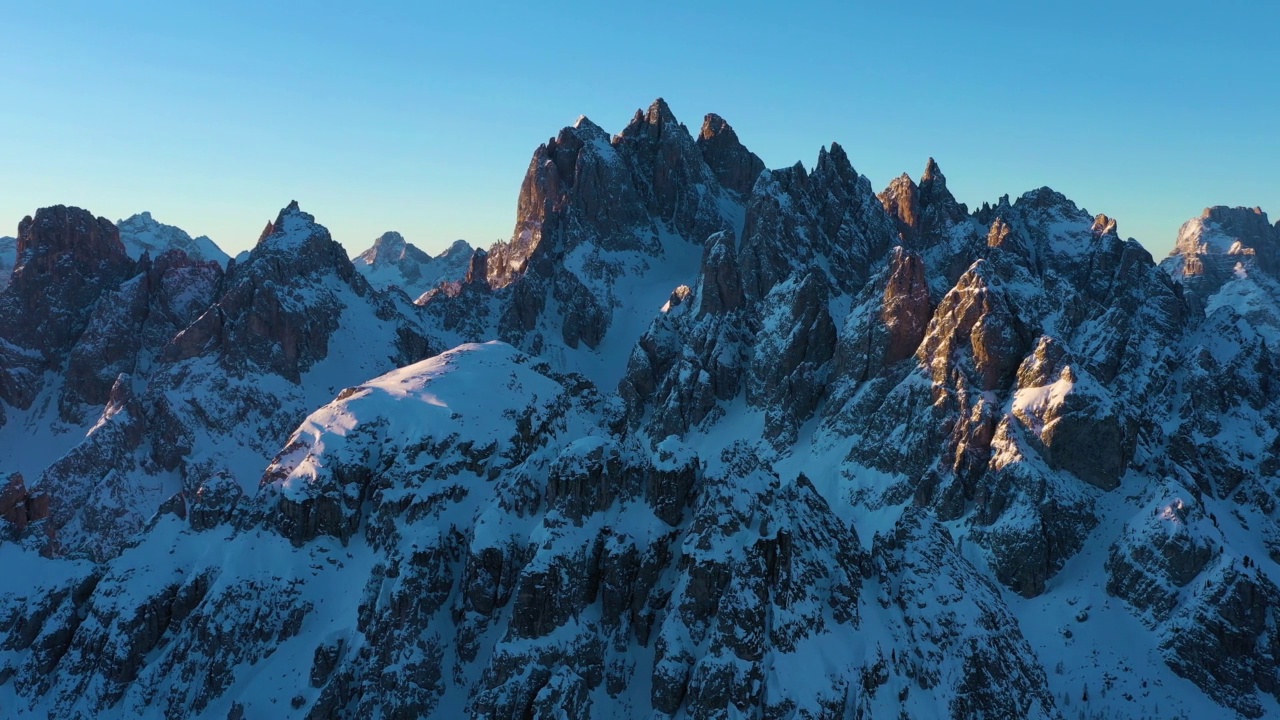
[{"x": 734, "y": 165}]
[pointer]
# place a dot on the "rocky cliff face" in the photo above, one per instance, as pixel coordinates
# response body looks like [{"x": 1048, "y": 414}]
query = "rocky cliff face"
[
  {"x": 66, "y": 259},
  {"x": 741, "y": 442},
  {"x": 605, "y": 225}
]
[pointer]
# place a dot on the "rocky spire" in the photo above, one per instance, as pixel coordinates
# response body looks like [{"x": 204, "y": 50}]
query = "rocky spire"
[
  {"x": 653, "y": 122},
  {"x": 577, "y": 172},
  {"x": 733, "y": 164},
  {"x": 477, "y": 268},
  {"x": 670, "y": 164},
  {"x": 925, "y": 212},
  {"x": 304, "y": 244},
  {"x": 902, "y": 201},
  {"x": 266, "y": 232},
  {"x": 933, "y": 187}
]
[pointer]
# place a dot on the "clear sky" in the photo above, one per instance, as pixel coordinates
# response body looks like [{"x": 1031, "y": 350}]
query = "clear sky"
[{"x": 421, "y": 116}]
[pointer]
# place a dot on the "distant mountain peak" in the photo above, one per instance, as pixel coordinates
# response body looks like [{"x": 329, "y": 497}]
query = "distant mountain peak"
[
  {"x": 142, "y": 233},
  {"x": 292, "y": 227},
  {"x": 390, "y": 244},
  {"x": 394, "y": 261}
]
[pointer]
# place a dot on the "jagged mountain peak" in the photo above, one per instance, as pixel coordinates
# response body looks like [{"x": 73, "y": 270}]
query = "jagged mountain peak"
[
  {"x": 934, "y": 192},
  {"x": 61, "y": 229},
  {"x": 584, "y": 129},
  {"x": 457, "y": 247},
  {"x": 835, "y": 161},
  {"x": 1046, "y": 198},
  {"x": 924, "y": 213},
  {"x": 292, "y": 227},
  {"x": 296, "y": 240},
  {"x": 142, "y": 233},
  {"x": 1104, "y": 225},
  {"x": 733, "y": 164},
  {"x": 932, "y": 172},
  {"x": 653, "y": 123},
  {"x": 393, "y": 261},
  {"x": 390, "y": 239},
  {"x": 660, "y": 113},
  {"x": 65, "y": 260},
  {"x": 388, "y": 247},
  {"x": 713, "y": 125}
]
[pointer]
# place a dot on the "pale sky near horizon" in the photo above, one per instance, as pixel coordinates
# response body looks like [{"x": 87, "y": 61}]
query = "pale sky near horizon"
[{"x": 421, "y": 117}]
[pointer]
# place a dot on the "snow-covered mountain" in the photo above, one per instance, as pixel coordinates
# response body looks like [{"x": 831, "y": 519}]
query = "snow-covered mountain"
[
  {"x": 8, "y": 258},
  {"x": 712, "y": 440},
  {"x": 141, "y": 233},
  {"x": 392, "y": 261}
]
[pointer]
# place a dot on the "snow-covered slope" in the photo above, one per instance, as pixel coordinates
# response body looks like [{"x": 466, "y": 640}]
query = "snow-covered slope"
[
  {"x": 181, "y": 375},
  {"x": 714, "y": 441},
  {"x": 141, "y": 233},
  {"x": 392, "y": 261}
]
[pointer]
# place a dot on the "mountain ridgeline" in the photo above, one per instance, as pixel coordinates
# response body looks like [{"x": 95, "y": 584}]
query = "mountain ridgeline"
[{"x": 701, "y": 440}]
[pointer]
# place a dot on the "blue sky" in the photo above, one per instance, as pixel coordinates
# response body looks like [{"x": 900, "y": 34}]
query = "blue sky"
[{"x": 421, "y": 117}]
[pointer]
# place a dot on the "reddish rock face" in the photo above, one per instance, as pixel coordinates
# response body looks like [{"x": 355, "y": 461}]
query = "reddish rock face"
[
  {"x": 974, "y": 319},
  {"x": 59, "y": 232},
  {"x": 12, "y": 501},
  {"x": 477, "y": 268},
  {"x": 906, "y": 309},
  {"x": 923, "y": 213},
  {"x": 20, "y": 507},
  {"x": 1209, "y": 247},
  {"x": 66, "y": 259},
  {"x": 902, "y": 201}
]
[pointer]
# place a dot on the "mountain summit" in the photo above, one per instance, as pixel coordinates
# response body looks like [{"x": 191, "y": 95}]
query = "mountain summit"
[
  {"x": 393, "y": 261},
  {"x": 141, "y": 233}
]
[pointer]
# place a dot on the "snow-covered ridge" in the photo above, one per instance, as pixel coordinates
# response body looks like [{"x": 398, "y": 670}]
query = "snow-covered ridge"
[
  {"x": 467, "y": 394},
  {"x": 393, "y": 261},
  {"x": 141, "y": 233}
]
